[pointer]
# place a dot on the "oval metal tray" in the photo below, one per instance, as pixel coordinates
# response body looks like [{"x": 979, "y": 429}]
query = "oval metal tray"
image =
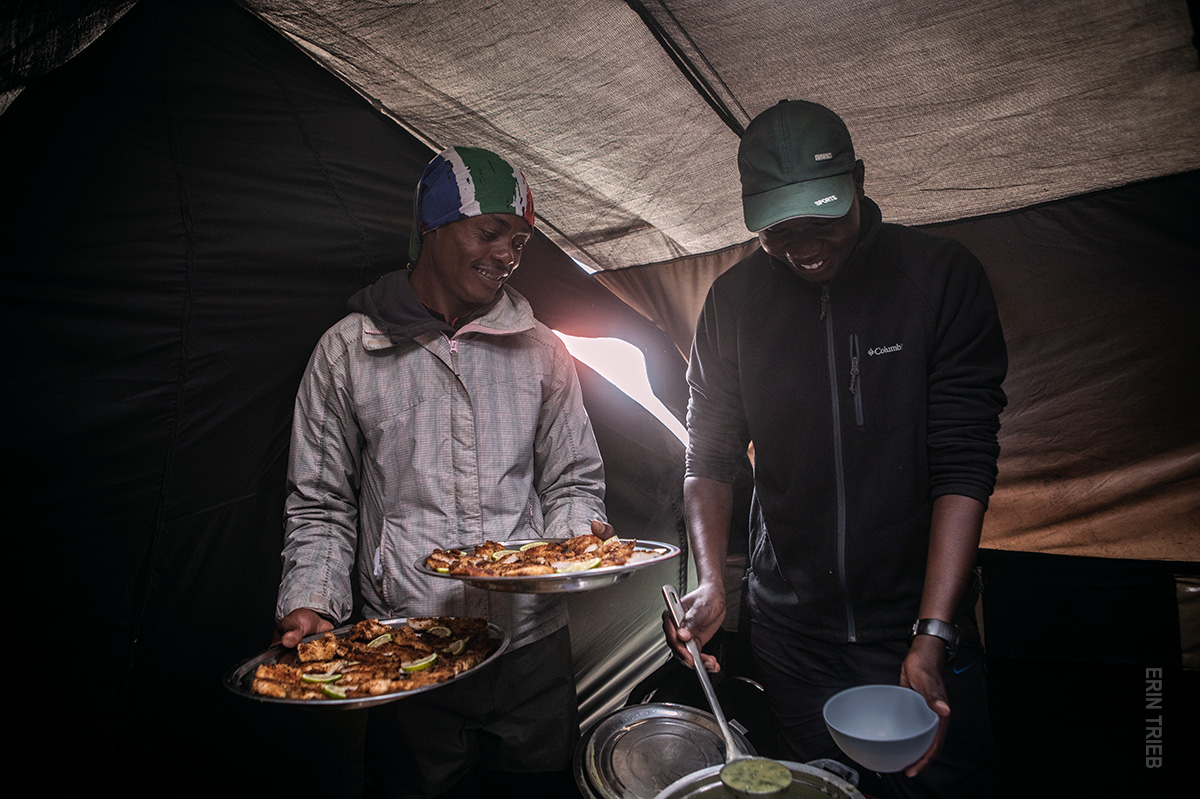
[
  {"x": 646, "y": 553},
  {"x": 240, "y": 678}
]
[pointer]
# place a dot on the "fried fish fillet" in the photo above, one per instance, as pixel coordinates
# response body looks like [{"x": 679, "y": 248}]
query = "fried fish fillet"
[
  {"x": 493, "y": 559},
  {"x": 374, "y": 659}
]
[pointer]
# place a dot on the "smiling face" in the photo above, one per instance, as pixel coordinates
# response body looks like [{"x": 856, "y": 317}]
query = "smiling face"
[
  {"x": 463, "y": 264},
  {"x": 815, "y": 247}
]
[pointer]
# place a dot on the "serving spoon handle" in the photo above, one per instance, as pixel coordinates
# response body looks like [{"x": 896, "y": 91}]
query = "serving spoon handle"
[{"x": 732, "y": 750}]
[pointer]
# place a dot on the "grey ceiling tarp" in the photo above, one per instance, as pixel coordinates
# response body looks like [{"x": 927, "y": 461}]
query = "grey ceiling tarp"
[
  {"x": 959, "y": 108},
  {"x": 626, "y": 114}
]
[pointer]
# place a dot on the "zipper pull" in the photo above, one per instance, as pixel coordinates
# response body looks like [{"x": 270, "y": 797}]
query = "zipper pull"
[
  {"x": 824, "y": 300},
  {"x": 853, "y": 364}
]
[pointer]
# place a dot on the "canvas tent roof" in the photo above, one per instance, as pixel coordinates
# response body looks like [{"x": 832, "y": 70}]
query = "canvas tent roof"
[{"x": 626, "y": 115}]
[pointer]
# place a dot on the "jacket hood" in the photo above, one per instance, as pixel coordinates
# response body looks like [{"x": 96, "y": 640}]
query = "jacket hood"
[
  {"x": 394, "y": 307},
  {"x": 396, "y": 310}
]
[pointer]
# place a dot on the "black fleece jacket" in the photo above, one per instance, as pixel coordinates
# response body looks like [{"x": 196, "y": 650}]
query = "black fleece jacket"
[{"x": 865, "y": 397}]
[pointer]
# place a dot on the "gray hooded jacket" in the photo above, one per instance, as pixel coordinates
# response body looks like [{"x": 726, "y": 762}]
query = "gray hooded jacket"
[{"x": 408, "y": 435}]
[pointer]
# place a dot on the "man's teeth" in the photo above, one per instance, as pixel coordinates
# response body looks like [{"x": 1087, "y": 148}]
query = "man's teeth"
[
  {"x": 492, "y": 276},
  {"x": 808, "y": 267}
]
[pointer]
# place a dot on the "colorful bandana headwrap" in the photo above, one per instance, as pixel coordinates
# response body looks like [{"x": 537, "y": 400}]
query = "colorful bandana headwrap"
[{"x": 466, "y": 181}]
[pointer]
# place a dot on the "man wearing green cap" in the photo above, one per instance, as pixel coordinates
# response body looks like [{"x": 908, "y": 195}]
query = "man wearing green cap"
[
  {"x": 863, "y": 361},
  {"x": 439, "y": 412}
]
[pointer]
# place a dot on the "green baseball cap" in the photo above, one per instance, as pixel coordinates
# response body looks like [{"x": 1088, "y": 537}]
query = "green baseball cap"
[{"x": 795, "y": 159}]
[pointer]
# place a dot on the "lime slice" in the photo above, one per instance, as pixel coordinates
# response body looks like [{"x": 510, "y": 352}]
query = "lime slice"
[
  {"x": 533, "y": 544},
  {"x": 612, "y": 540},
  {"x": 418, "y": 665},
  {"x": 504, "y": 553},
  {"x": 380, "y": 640},
  {"x": 576, "y": 565},
  {"x": 443, "y": 570},
  {"x": 333, "y": 691},
  {"x": 440, "y": 631},
  {"x": 319, "y": 678},
  {"x": 457, "y": 647}
]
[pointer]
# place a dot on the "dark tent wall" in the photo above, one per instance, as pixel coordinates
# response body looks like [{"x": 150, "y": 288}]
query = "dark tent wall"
[
  {"x": 192, "y": 203},
  {"x": 186, "y": 218},
  {"x": 1100, "y": 441}
]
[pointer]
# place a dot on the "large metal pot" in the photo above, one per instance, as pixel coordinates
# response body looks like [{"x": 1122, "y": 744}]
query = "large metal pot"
[
  {"x": 816, "y": 780},
  {"x": 637, "y": 751}
]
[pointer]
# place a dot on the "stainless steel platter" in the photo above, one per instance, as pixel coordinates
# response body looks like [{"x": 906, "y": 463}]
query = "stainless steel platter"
[
  {"x": 646, "y": 553},
  {"x": 637, "y": 751},
  {"x": 240, "y": 678}
]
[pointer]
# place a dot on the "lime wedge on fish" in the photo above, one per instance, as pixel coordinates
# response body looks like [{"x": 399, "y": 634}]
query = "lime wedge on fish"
[
  {"x": 320, "y": 678},
  {"x": 418, "y": 665},
  {"x": 567, "y": 566}
]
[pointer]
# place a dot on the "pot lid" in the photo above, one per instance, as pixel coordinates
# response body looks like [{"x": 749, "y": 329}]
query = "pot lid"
[{"x": 637, "y": 751}]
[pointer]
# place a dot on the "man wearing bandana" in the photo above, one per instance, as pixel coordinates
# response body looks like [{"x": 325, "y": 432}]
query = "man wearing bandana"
[{"x": 440, "y": 412}]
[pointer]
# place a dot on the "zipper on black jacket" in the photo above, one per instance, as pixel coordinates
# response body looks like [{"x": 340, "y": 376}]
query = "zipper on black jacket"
[
  {"x": 855, "y": 388},
  {"x": 827, "y": 315}
]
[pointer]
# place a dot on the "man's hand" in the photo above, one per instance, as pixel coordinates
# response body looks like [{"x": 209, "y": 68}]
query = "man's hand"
[
  {"x": 922, "y": 672},
  {"x": 298, "y": 624},
  {"x": 703, "y": 612}
]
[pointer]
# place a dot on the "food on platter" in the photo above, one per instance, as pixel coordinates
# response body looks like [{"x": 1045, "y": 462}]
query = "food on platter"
[
  {"x": 374, "y": 659},
  {"x": 534, "y": 558},
  {"x": 524, "y": 566}
]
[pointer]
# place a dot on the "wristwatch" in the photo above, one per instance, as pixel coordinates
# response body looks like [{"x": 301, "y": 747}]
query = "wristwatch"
[{"x": 939, "y": 629}]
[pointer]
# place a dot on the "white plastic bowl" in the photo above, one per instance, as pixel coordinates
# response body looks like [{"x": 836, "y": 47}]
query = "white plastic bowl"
[{"x": 885, "y": 728}]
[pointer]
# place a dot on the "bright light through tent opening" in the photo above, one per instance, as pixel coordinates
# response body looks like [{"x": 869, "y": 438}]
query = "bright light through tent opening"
[{"x": 623, "y": 365}]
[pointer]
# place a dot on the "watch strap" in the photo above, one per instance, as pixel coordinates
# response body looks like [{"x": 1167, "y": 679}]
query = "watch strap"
[{"x": 939, "y": 629}]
